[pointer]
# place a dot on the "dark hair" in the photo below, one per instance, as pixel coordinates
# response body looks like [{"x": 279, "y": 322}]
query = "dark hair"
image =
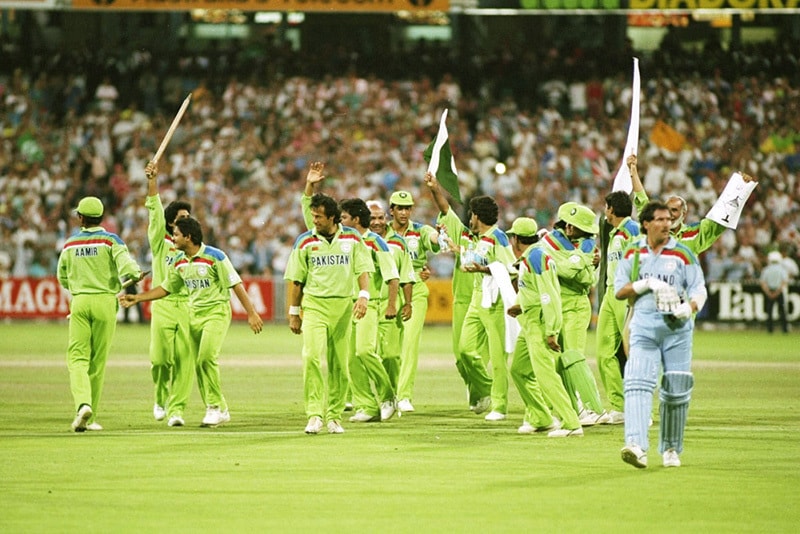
[
  {"x": 527, "y": 239},
  {"x": 620, "y": 203},
  {"x": 171, "y": 211},
  {"x": 649, "y": 212},
  {"x": 90, "y": 221},
  {"x": 190, "y": 227},
  {"x": 357, "y": 209},
  {"x": 328, "y": 205},
  {"x": 485, "y": 208}
]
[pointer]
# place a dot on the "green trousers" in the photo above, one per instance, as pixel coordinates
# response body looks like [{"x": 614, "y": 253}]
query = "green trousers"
[
  {"x": 171, "y": 363},
  {"x": 327, "y": 324},
  {"x": 92, "y": 323},
  {"x": 412, "y": 335},
  {"x": 485, "y": 328},
  {"x": 366, "y": 365},
  {"x": 537, "y": 411},
  {"x": 207, "y": 331},
  {"x": 543, "y": 361},
  {"x": 610, "y": 323}
]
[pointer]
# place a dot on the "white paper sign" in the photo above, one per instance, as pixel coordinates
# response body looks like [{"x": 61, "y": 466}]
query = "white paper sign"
[{"x": 728, "y": 207}]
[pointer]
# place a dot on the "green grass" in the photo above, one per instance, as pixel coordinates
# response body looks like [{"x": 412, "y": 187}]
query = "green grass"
[{"x": 439, "y": 469}]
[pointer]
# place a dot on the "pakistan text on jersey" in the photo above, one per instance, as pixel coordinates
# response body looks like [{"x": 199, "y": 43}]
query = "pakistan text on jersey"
[
  {"x": 197, "y": 283},
  {"x": 330, "y": 260},
  {"x": 83, "y": 252}
]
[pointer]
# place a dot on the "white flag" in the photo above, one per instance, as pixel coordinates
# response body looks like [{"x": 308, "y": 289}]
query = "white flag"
[
  {"x": 623, "y": 182},
  {"x": 728, "y": 207}
]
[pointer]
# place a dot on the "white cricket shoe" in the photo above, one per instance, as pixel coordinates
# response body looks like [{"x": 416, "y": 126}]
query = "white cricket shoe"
[
  {"x": 615, "y": 418},
  {"x": 495, "y": 416},
  {"x": 334, "y": 427},
  {"x": 159, "y": 412},
  {"x": 83, "y": 415},
  {"x": 176, "y": 420},
  {"x": 363, "y": 417},
  {"x": 214, "y": 416},
  {"x": 528, "y": 428},
  {"x": 590, "y": 418},
  {"x": 566, "y": 433},
  {"x": 405, "y": 406},
  {"x": 671, "y": 458},
  {"x": 484, "y": 403},
  {"x": 387, "y": 410},
  {"x": 314, "y": 425},
  {"x": 634, "y": 455},
  {"x": 97, "y": 427}
]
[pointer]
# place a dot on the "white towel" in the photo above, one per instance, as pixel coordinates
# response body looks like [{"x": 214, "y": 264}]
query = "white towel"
[{"x": 501, "y": 280}]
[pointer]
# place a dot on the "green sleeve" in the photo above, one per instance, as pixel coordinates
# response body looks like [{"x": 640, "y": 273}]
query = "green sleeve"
[
  {"x": 126, "y": 265},
  {"x": 362, "y": 259},
  {"x": 173, "y": 283},
  {"x": 710, "y": 231},
  {"x": 387, "y": 266},
  {"x": 305, "y": 202},
  {"x": 296, "y": 267},
  {"x": 550, "y": 296},
  {"x": 640, "y": 200},
  {"x": 426, "y": 233}
]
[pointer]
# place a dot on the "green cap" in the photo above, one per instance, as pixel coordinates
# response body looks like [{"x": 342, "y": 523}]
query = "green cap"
[
  {"x": 401, "y": 198},
  {"x": 523, "y": 227},
  {"x": 578, "y": 216},
  {"x": 90, "y": 207}
]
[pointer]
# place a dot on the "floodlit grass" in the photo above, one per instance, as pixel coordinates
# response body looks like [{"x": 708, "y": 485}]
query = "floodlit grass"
[{"x": 438, "y": 469}]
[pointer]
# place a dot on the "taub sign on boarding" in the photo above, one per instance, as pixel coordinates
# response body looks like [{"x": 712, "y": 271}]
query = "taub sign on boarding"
[{"x": 267, "y": 5}]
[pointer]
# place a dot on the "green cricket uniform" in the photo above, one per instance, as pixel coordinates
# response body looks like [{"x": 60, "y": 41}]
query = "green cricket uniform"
[
  {"x": 326, "y": 270},
  {"x": 208, "y": 277},
  {"x": 170, "y": 357},
  {"x": 484, "y": 325},
  {"x": 419, "y": 240},
  {"x": 611, "y": 317},
  {"x": 576, "y": 276},
  {"x": 366, "y": 367},
  {"x": 390, "y": 331},
  {"x": 463, "y": 283},
  {"x": 89, "y": 267},
  {"x": 540, "y": 299}
]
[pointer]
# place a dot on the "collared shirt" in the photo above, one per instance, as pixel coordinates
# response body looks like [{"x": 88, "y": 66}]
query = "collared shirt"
[
  {"x": 93, "y": 261},
  {"x": 207, "y": 278}
]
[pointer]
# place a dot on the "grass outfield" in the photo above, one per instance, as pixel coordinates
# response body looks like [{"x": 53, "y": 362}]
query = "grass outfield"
[{"x": 438, "y": 469}]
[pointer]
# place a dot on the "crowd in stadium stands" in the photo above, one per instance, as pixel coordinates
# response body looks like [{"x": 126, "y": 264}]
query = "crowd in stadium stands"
[{"x": 86, "y": 124}]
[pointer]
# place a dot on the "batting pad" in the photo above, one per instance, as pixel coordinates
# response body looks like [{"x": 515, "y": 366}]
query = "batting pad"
[
  {"x": 640, "y": 382},
  {"x": 579, "y": 382},
  {"x": 676, "y": 391}
]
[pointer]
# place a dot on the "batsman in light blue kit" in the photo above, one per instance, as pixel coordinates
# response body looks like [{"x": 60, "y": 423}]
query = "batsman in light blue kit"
[{"x": 665, "y": 282}]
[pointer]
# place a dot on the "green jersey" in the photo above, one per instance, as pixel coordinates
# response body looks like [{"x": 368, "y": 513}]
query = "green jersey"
[
  {"x": 402, "y": 261},
  {"x": 162, "y": 246},
  {"x": 207, "y": 277},
  {"x": 618, "y": 240},
  {"x": 419, "y": 240},
  {"x": 574, "y": 262},
  {"x": 93, "y": 261},
  {"x": 490, "y": 247},
  {"x": 539, "y": 291},
  {"x": 327, "y": 268},
  {"x": 384, "y": 263},
  {"x": 463, "y": 281}
]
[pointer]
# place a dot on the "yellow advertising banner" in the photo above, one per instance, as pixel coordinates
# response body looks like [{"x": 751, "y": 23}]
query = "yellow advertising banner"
[
  {"x": 440, "y": 302},
  {"x": 267, "y": 5}
]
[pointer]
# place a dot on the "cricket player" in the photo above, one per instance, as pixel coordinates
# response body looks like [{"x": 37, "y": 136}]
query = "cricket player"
[
  {"x": 538, "y": 417},
  {"x": 390, "y": 331},
  {"x": 90, "y": 267},
  {"x": 539, "y": 312},
  {"x": 665, "y": 280},
  {"x": 208, "y": 275},
  {"x": 611, "y": 317},
  {"x": 322, "y": 266},
  {"x": 421, "y": 240},
  {"x": 461, "y": 239},
  {"x": 572, "y": 247},
  {"x": 366, "y": 366},
  {"x": 171, "y": 363}
]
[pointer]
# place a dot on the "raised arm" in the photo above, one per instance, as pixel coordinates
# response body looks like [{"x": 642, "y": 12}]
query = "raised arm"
[{"x": 436, "y": 191}]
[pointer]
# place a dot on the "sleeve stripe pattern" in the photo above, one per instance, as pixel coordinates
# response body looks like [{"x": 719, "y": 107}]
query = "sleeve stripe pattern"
[{"x": 680, "y": 252}]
